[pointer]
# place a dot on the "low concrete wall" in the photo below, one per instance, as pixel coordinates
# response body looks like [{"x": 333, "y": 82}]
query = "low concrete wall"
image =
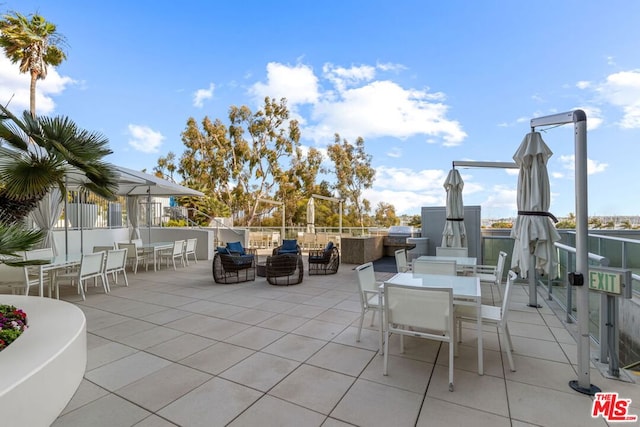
[
  {"x": 629, "y": 319},
  {"x": 42, "y": 369},
  {"x": 358, "y": 250}
]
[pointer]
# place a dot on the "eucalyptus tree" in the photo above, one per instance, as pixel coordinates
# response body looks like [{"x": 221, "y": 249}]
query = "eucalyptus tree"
[
  {"x": 354, "y": 174},
  {"x": 34, "y": 43},
  {"x": 37, "y": 154}
]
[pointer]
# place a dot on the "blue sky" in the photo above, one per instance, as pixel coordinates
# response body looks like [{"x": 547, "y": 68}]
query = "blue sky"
[{"x": 423, "y": 82}]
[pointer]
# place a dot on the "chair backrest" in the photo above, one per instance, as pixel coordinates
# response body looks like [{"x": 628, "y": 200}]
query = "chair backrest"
[
  {"x": 34, "y": 254},
  {"x": 137, "y": 242},
  {"x": 102, "y": 248},
  {"x": 366, "y": 279},
  {"x": 132, "y": 252},
  {"x": 91, "y": 264},
  {"x": 427, "y": 308},
  {"x": 504, "y": 310},
  {"x": 457, "y": 252},
  {"x": 116, "y": 259},
  {"x": 177, "y": 247},
  {"x": 191, "y": 245},
  {"x": 401, "y": 260},
  {"x": 502, "y": 256},
  {"x": 422, "y": 266}
]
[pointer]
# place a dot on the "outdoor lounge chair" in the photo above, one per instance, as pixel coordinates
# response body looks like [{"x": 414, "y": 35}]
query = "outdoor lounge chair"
[
  {"x": 288, "y": 247},
  {"x": 325, "y": 261},
  {"x": 233, "y": 267},
  {"x": 284, "y": 269}
]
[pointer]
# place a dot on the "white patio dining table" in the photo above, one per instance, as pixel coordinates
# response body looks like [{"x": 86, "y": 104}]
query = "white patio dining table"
[
  {"x": 57, "y": 262},
  {"x": 155, "y": 248},
  {"x": 466, "y": 291}
]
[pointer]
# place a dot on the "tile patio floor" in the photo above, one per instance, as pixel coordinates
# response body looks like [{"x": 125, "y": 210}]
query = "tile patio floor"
[{"x": 174, "y": 348}]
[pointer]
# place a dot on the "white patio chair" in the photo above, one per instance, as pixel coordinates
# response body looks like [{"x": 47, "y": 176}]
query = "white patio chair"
[
  {"x": 369, "y": 293},
  {"x": 17, "y": 279},
  {"x": 491, "y": 315},
  {"x": 190, "y": 249},
  {"x": 91, "y": 267},
  {"x": 401, "y": 261},
  {"x": 492, "y": 274},
  {"x": 423, "y": 266},
  {"x": 133, "y": 257},
  {"x": 175, "y": 252},
  {"x": 419, "y": 312},
  {"x": 456, "y": 252},
  {"x": 32, "y": 273},
  {"x": 115, "y": 263}
]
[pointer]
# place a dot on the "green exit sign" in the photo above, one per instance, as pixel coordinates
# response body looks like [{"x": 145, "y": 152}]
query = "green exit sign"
[{"x": 605, "y": 281}]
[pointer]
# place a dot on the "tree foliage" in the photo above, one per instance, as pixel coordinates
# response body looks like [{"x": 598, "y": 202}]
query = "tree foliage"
[
  {"x": 354, "y": 174},
  {"x": 256, "y": 156},
  {"x": 385, "y": 215},
  {"x": 34, "y": 43}
]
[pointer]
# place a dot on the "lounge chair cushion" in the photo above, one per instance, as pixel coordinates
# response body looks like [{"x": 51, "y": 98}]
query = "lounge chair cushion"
[
  {"x": 289, "y": 247},
  {"x": 222, "y": 250},
  {"x": 236, "y": 247},
  {"x": 328, "y": 247}
]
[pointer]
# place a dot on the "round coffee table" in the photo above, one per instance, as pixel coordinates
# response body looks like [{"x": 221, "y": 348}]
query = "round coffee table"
[{"x": 261, "y": 268}]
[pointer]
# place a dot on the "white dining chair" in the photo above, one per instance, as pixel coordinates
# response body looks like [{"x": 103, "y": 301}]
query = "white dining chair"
[
  {"x": 115, "y": 263},
  {"x": 32, "y": 273},
  {"x": 492, "y": 274},
  {"x": 419, "y": 312},
  {"x": 429, "y": 266},
  {"x": 91, "y": 267},
  {"x": 133, "y": 257},
  {"x": 190, "y": 249},
  {"x": 175, "y": 252},
  {"x": 401, "y": 261},
  {"x": 369, "y": 293},
  {"x": 491, "y": 315},
  {"x": 455, "y": 252},
  {"x": 17, "y": 279}
]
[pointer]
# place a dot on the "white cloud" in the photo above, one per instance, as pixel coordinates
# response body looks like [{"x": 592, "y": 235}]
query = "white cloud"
[
  {"x": 203, "y": 94},
  {"x": 593, "y": 166},
  {"x": 622, "y": 90},
  {"x": 355, "y": 104},
  {"x": 583, "y": 84},
  {"x": 394, "y": 152},
  {"x": 501, "y": 198},
  {"x": 347, "y": 77},
  {"x": 296, "y": 83},
  {"x": 145, "y": 139},
  {"x": 14, "y": 87}
]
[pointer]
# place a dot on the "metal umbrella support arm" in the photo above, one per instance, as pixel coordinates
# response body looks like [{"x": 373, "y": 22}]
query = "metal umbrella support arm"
[{"x": 579, "y": 120}]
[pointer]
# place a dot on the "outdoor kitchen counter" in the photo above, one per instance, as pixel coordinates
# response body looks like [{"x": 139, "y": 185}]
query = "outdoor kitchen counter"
[{"x": 358, "y": 250}]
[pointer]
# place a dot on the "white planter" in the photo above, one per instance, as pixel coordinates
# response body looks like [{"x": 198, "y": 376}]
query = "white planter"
[
  {"x": 42, "y": 369},
  {"x": 86, "y": 211}
]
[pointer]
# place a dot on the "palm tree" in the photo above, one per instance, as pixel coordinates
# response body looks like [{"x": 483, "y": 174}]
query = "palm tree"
[
  {"x": 34, "y": 43},
  {"x": 41, "y": 152}
]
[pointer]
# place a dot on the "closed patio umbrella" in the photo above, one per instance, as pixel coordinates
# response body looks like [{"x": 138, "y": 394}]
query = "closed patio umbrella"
[
  {"x": 455, "y": 233},
  {"x": 311, "y": 216},
  {"x": 533, "y": 231}
]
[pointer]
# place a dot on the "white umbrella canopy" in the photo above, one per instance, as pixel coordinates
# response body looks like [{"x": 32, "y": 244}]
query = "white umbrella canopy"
[
  {"x": 311, "y": 216},
  {"x": 455, "y": 233},
  {"x": 533, "y": 231},
  {"x": 135, "y": 183}
]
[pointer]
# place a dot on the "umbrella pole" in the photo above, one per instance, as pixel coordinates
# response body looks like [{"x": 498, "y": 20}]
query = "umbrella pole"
[{"x": 533, "y": 292}]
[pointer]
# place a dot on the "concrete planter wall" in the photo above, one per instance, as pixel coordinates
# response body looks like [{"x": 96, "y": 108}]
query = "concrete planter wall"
[{"x": 42, "y": 369}]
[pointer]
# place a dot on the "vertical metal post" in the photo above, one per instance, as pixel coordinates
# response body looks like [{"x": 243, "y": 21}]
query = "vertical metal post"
[
  {"x": 569, "y": 290},
  {"x": 583, "y": 384},
  {"x": 579, "y": 119},
  {"x": 603, "y": 328},
  {"x": 533, "y": 292}
]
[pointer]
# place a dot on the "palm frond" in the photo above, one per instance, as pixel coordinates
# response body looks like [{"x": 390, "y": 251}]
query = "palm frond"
[{"x": 16, "y": 238}]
